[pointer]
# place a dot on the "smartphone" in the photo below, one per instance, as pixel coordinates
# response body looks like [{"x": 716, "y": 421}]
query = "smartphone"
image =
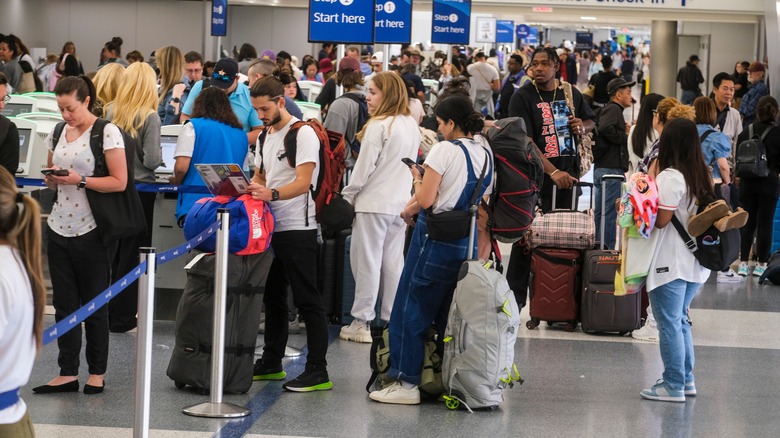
[
  {"x": 55, "y": 172},
  {"x": 409, "y": 162}
]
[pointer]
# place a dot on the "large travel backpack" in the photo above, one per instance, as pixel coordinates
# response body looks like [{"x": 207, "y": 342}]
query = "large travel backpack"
[
  {"x": 519, "y": 175},
  {"x": 362, "y": 118},
  {"x": 332, "y": 165},
  {"x": 750, "y": 156}
]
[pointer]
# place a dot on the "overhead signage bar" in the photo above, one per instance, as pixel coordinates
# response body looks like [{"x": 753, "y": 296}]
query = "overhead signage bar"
[
  {"x": 393, "y": 22},
  {"x": 451, "y": 21},
  {"x": 341, "y": 21},
  {"x": 505, "y": 31}
]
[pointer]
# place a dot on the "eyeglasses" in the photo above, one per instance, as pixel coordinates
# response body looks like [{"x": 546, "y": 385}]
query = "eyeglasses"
[
  {"x": 7, "y": 98},
  {"x": 655, "y": 112}
]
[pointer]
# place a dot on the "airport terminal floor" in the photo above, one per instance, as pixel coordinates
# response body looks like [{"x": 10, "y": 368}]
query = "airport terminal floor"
[{"x": 576, "y": 385}]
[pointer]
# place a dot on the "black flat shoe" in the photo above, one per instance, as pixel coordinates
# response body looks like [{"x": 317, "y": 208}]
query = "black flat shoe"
[
  {"x": 51, "y": 389},
  {"x": 89, "y": 389}
]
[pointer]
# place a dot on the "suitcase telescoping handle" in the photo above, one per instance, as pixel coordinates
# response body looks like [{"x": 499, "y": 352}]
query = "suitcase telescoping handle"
[
  {"x": 603, "y": 220},
  {"x": 471, "y": 253},
  {"x": 573, "y": 198}
]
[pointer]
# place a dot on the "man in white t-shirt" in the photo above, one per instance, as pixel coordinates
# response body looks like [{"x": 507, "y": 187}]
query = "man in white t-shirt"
[
  {"x": 283, "y": 179},
  {"x": 484, "y": 81}
]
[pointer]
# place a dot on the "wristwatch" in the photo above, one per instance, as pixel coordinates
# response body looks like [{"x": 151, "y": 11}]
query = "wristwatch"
[
  {"x": 175, "y": 100},
  {"x": 274, "y": 195},
  {"x": 82, "y": 183}
]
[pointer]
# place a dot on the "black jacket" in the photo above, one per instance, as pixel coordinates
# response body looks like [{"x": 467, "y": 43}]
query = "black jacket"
[
  {"x": 9, "y": 145},
  {"x": 611, "y": 148}
]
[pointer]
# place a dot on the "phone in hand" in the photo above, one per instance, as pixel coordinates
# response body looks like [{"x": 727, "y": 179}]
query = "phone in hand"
[
  {"x": 55, "y": 172},
  {"x": 409, "y": 162}
]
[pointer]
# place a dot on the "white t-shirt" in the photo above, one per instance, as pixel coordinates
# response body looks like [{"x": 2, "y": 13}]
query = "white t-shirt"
[
  {"x": 290, "y": 213},
  {"x": 17, "y": 343},
  {"x": 185, "y": 143},
  {"x": 71, "y": 216},
  {"x": 671, "y": 259},
  {"x": 482, "y": 74},
  {"x": 448, "y": 160}
]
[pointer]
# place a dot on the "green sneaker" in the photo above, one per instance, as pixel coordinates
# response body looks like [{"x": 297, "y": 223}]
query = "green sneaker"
[
  {"x": 310, "y": 380},
  {"x": 264, "y": 371}
]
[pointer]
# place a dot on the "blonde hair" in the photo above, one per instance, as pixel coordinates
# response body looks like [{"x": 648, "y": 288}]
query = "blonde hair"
[
  {"x": 136, "y": 98},
  {"x": 107, "y": 81},
  {"x": 171, "y": 64},
  {"x": 20, "y": 226},
  {"x": 395, "y": 98},
  {"x": 671, "y": 108}
]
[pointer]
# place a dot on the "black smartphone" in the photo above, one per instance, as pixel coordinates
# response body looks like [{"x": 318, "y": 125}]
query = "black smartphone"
[
  {"x": 409, "y": 162},
  {"x": 55, "y": 172}
]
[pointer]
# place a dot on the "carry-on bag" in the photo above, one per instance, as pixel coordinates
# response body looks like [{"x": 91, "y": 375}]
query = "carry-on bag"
[
  {"x": 564, "y": 228},
  {"x": 479, "y": 341},
  {"x": 190, "y": 362},
  {"x": 602, "y": 310}
]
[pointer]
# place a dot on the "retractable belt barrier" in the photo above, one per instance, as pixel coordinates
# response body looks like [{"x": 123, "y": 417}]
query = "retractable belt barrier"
[
  {"x": 141, "y": 187},
  {"x": 66, "y": 324}
]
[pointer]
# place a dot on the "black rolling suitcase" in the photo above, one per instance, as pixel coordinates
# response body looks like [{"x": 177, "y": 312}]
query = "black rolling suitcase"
[
  {"x": 601, "y": 310},
  {"x": 190, "y": 362}
]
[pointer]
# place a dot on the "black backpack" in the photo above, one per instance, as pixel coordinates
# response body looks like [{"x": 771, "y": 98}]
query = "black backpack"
[
  {"x": 714, "y": 249},
  {"x": 354, "y": 145},
  {"x": 772, "y": 272},
  {"x": 519, "y": 176},
  {"x": 750, "y": 156}
]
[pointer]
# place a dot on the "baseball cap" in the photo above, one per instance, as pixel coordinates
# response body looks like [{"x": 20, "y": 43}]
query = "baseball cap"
[
  {"x": 378, "y": 58},
  {"x": 756, "y": 67},
  {"x": 616, "y": 84},
  {"x": 326, "y": 65},
  {"x": 349, "y": 63},
  {"x": 694, "y": 58},
  {"x": 268, "y": 54},
  {"x": 225, "y": 72}
]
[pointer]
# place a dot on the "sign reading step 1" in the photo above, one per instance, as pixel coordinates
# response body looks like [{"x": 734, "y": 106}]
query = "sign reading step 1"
[
  {"x": 341, "y": 21},
  {"x": 393, "y": 21},
  {"x": 451, "y": 21}
]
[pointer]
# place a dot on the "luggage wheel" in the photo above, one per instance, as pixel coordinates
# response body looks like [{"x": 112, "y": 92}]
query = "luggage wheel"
[
  {"x": 532, "y": 323},
  {"x": 452, "y": 403},
  {"x": 570, "y": 326},
  {"x": 550, "y": 323},
  {"x": 179, "y": 385}
]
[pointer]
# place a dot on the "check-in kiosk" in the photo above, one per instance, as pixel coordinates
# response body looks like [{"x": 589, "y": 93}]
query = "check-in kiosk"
[
  {"x": 166, "y": 234},
  {"x": 33, "y": 154},
  {"x": 45, "y": 102},
  {"x": 431, "y": 91},
  {"x": 310, "y": 110},
  {"x": 310, "y": 89},
  {"x": 19, "y": 105}
]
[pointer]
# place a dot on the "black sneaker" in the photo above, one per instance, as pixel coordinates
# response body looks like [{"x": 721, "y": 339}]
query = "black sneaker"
[
  {"x": 264, "y": 371},
  {"x": 310, "y": 380}
]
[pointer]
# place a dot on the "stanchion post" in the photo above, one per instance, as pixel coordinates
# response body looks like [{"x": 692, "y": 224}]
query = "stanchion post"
[
  {"x": 143, "y": 369},
  {"x": 216, "y": 408}
]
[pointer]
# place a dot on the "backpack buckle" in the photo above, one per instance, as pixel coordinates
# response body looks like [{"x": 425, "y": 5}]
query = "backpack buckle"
[{"x": 691, "y": 245}]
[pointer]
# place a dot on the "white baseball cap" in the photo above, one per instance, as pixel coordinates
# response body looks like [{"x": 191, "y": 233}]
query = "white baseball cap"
[{"x": 378, "y": 58}]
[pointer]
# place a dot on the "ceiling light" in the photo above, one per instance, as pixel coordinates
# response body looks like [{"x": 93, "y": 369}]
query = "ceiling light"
[{"x": 588, "y": 18}]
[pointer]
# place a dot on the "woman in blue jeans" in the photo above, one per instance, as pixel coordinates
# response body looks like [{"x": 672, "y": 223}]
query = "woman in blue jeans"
[
  {"x": 675, "y": 275},
  {"x": 430, "y": 272}
]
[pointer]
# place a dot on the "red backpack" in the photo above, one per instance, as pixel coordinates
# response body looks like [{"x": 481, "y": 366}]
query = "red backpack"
[{"x": 332, "y": 165}]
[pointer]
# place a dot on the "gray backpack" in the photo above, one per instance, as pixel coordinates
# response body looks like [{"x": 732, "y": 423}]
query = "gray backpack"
[{"x": 479, "y": 343}]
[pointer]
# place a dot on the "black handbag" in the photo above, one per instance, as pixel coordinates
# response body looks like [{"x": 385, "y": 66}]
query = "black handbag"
[
  {"x": 454, "y": 224},
  {"x": 337, "y": 214}
]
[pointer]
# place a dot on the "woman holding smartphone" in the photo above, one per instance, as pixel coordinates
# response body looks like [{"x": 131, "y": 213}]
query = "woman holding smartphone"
[{"x": 376, "y": 254}]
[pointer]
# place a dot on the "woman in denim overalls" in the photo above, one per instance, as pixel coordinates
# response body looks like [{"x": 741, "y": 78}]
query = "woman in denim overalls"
[{"x": 430, "y": 272}]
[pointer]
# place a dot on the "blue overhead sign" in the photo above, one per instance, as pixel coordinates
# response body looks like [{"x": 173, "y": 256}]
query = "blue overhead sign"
[
  {"x": 218, "y": 17},
  {"x": 393, "y": 21},
  {"x": 523, "y": 30},
  {"x": 451, "y": 21},
  {"x": 341, "y": 21},
  {"x": 504, "y": 29}
]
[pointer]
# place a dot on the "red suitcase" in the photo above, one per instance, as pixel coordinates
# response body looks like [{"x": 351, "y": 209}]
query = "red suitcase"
[{"x": 555, "y": 287}]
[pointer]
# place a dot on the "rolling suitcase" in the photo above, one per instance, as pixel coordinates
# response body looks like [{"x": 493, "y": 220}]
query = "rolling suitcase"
[
  {"x": 326, "y": 274},
  {"x": 190, "y": 362},
  {"x": 555, "y": 272}
]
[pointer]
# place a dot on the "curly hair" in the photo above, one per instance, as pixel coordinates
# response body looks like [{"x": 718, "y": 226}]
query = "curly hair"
[{"x": 212, "y": 103}]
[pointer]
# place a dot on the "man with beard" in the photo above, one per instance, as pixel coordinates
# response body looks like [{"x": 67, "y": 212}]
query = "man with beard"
[
  {"x": 534, "y": 102},
  {"x": 284, "y": 183}
]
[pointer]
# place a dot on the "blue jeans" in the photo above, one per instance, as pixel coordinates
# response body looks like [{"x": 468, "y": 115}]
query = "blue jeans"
[
  {"x": 688, "y": 97},
  {"x": 609, "y": 195},
  {"x": 424, "y": 295},
  {"x": 670, "y": 307}
]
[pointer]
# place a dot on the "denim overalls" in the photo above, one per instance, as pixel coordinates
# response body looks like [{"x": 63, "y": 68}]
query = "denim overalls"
[{"x": 427, "y": 284}]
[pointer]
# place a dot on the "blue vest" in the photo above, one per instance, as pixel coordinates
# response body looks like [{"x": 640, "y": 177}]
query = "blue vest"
[{"x": 215, "y": 142}]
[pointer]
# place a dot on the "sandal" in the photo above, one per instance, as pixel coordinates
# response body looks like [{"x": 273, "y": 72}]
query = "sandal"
[
  {"x": 738, "y": 219},
  {"x": 699, "y": 223}
]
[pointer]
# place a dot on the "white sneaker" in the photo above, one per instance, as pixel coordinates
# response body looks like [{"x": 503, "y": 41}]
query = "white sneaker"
[
  {"x": 729, "y": 277},
  {"x": 646, "y": 333},
  {"x": 397, "y": 394},
  {"x": 743, "y": 269},
  {"x": 358, "y": 331},
  {"x": 759, "y": 269}
]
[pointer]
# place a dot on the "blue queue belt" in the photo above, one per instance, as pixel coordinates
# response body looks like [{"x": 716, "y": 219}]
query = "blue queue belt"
[
  {"x": 66, "y": 324},
  {"x": 141, "y": 187}
]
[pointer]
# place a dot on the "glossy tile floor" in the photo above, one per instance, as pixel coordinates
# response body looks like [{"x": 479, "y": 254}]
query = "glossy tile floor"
[{"x": 576, "y": 385}]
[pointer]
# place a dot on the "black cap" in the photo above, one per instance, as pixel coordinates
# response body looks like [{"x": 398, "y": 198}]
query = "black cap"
[
  {"x": 616, "y": 84},
  {"x": 225, "y": 72},
  {"x": 694, "y": 58}
]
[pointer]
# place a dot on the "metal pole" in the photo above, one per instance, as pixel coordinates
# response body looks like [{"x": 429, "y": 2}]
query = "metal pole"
[
  {"x": 216, "y": 408},
  {"x": 386, "y": 57},
  {"x": 143, "y": 349},
  {"x": 340, "y": 52}
]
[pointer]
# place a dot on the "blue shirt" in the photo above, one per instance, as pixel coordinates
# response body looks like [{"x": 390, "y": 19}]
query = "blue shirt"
[
  {"x": 716, "y": 145},
  {"x": 239, "y": 101}
]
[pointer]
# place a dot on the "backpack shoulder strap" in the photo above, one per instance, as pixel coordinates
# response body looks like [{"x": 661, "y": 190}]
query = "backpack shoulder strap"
[
  {"x": 57, "y": 133},
  {"x": 567, "y": 93},
  {"x": 706, "y": 134},
  {"x": 766, "y": 132},
  {"x": 689, "y": 242},
  {"x": 96, "y": 144},
  {"x": 291, "y": 142},
  {"x": 260, "y": 143}
]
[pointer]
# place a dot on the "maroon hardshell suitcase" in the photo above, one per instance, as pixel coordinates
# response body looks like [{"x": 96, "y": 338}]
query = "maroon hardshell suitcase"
[{"x": 555, "y": 287}]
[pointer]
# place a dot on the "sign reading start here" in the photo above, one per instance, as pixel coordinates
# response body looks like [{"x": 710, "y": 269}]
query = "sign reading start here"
[
  {"x": 451, "y": 21},
  {"x": 341, "y": 21}
]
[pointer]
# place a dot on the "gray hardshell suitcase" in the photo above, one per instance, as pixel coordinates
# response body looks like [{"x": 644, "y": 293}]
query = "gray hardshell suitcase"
[
  {"x": 479, "y": 342},
  {"x": 601, "y": 310},
  {"x": 190, "y": 362}
]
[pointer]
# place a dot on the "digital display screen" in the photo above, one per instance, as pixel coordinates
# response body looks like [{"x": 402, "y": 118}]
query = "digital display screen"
[
  {"x": 168, "y": 145},
  {"x": 14, "y": 109},
  {"x": 25, "y": 137}
]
